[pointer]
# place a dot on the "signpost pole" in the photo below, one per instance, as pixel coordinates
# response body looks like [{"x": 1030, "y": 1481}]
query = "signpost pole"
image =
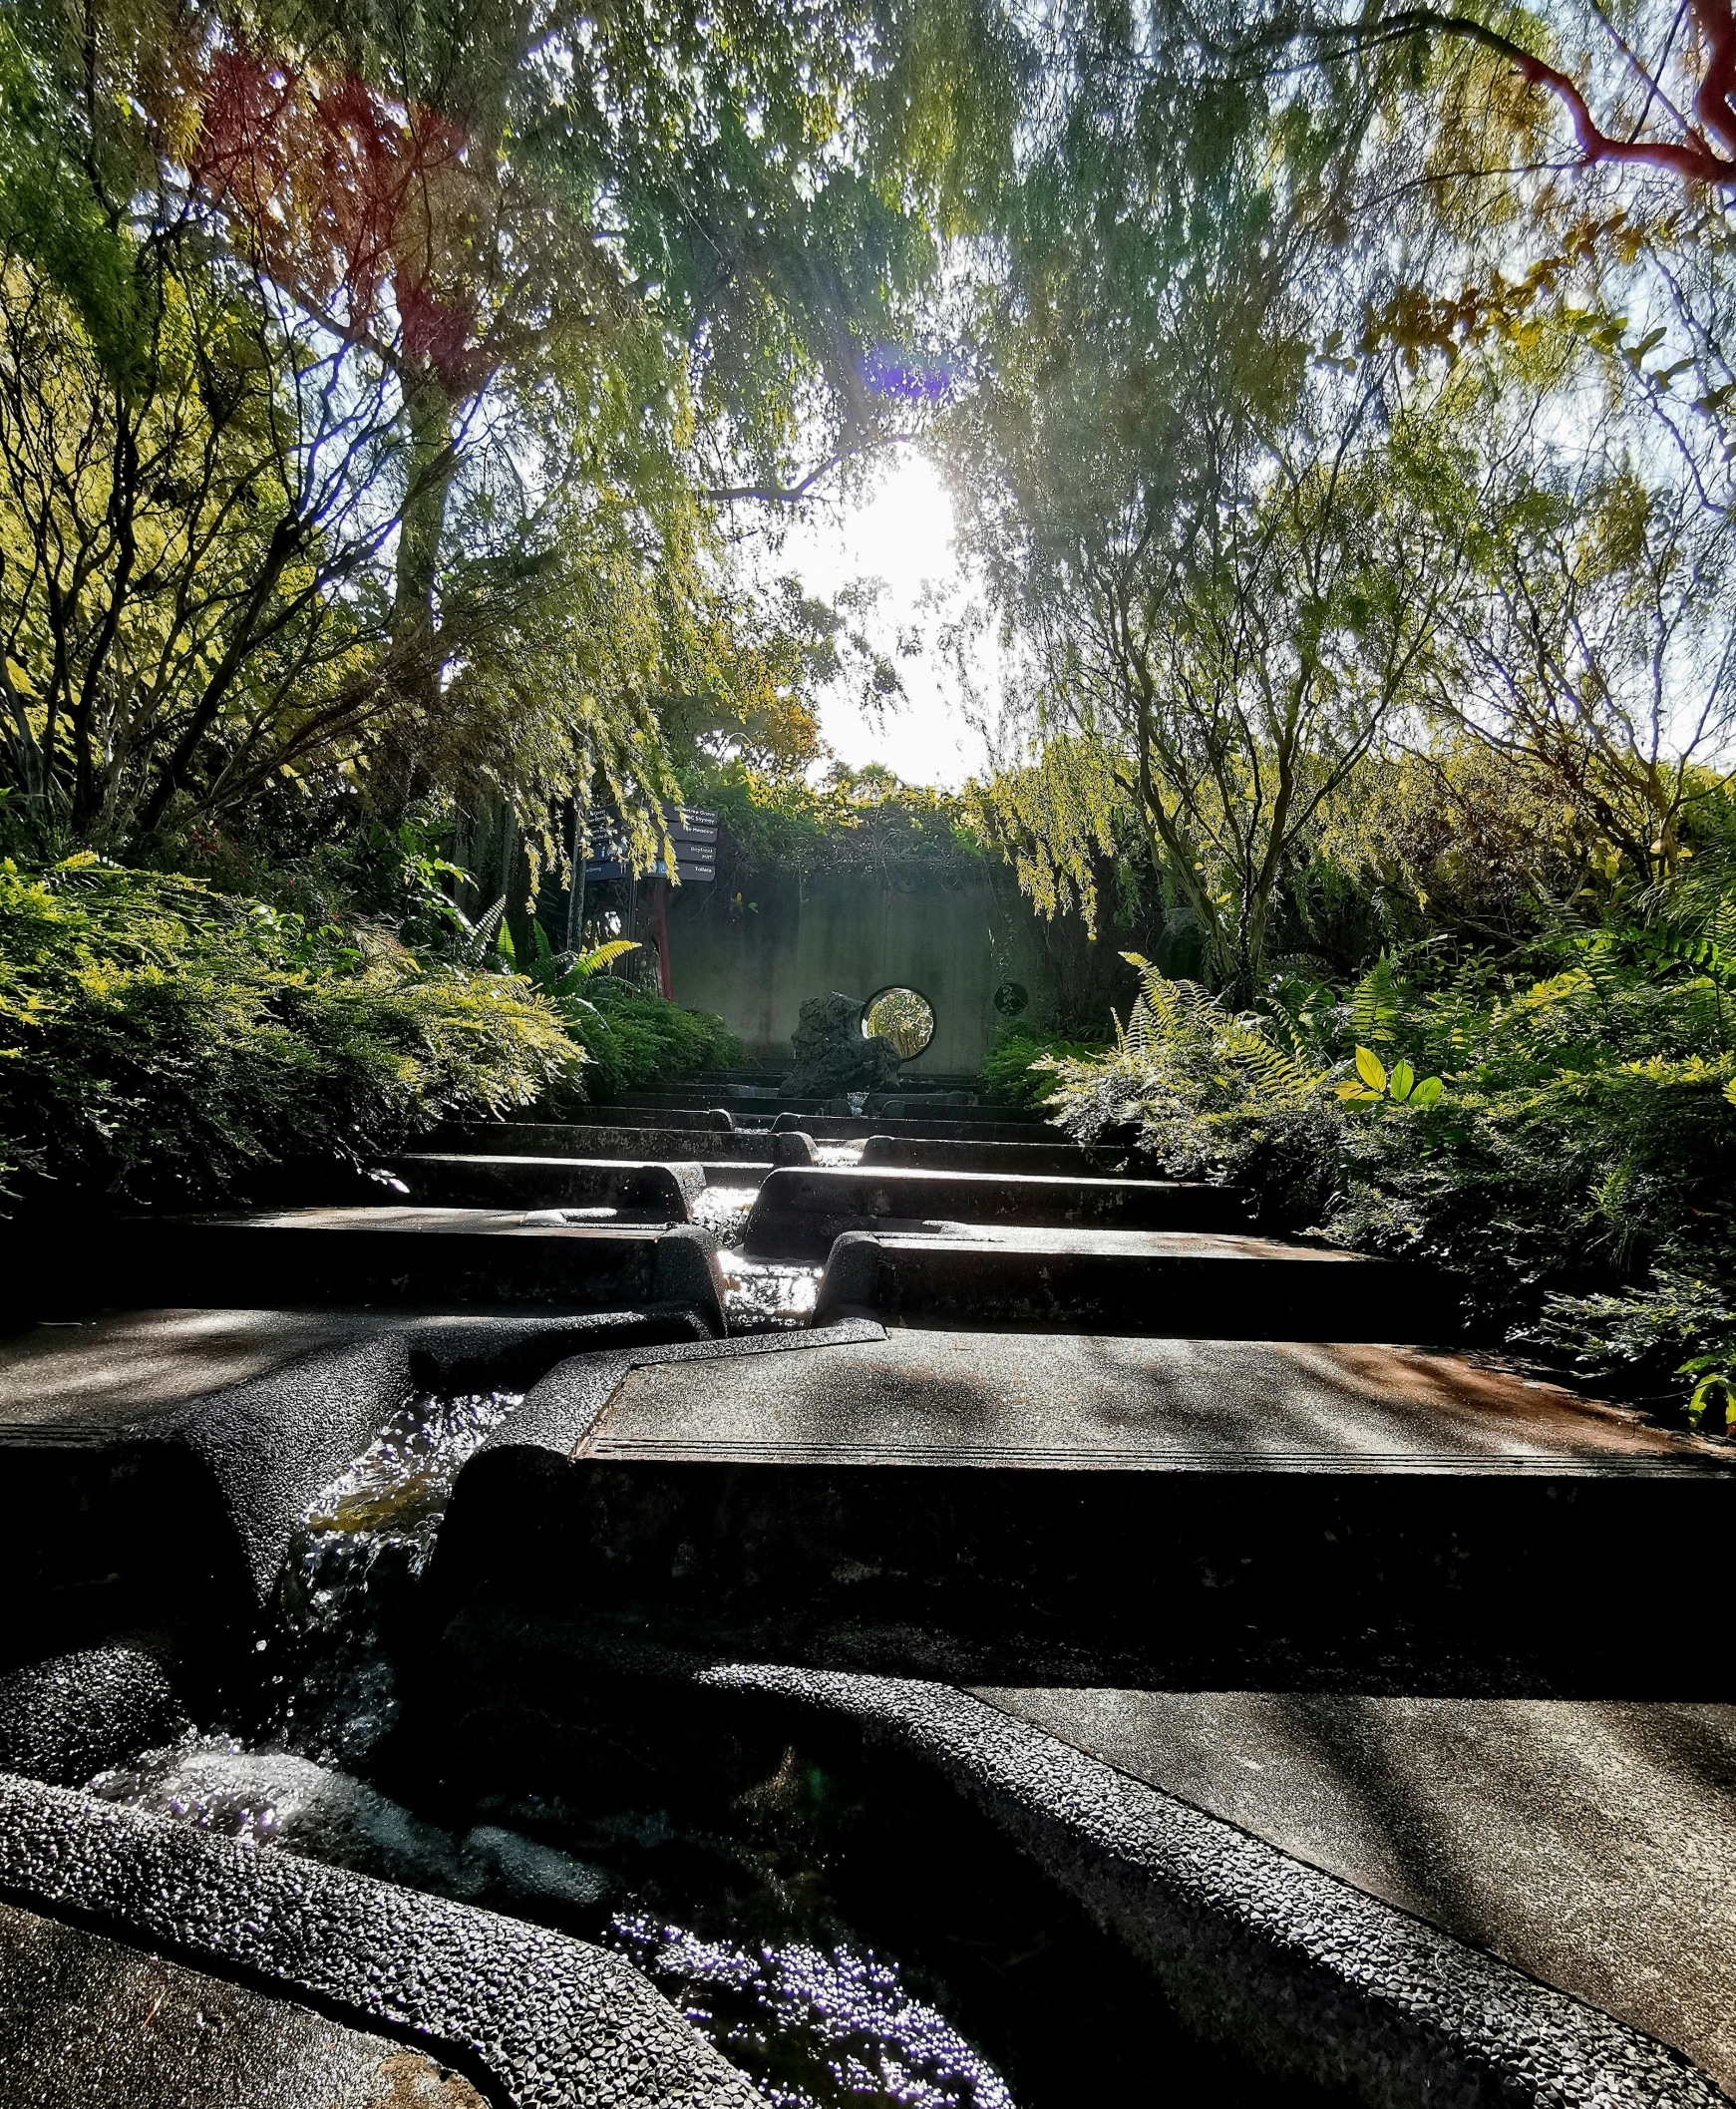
[
  {"x": 661, "y": 931},
  {"x": 575, "y": 881}
]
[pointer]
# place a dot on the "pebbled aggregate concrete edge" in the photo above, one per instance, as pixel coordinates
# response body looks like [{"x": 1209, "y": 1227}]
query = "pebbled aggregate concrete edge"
[
  {"x": 66, "y": 1717},
  {"x": 268, "y": 1446},
  {"x": 231, "y": 1472},
  {"x": 1300, "y": 1969},
  {"x": 538, "y": 2020}
]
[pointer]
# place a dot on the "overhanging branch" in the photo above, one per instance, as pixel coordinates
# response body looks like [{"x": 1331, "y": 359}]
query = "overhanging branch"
[{"x": 1702, "y": 155}]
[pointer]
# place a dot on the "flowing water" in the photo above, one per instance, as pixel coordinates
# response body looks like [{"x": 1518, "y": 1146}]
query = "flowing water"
[
  {"x": 725, "y": 1210},
  {"x": 329, "y": 1684},
  {"x": 849, "y": 1932},
  {"x": 767, "y": 1295},
  {"x": 759, "y": 1296}
]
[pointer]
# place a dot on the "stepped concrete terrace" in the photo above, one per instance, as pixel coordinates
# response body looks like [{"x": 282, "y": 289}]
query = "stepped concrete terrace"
[
  {"x": 627, "y": 1191},
  {"x": 925, "y": 1153},
  {"x": 698, "y": 1143},
  {"x": 1219, "y": 1510},
  {"x": 387, "y": 1255},
  {"x": 744, "y": 1104},
  {"x": 755, "y": 1101},
  {"x": 1345, "y": 1682},
  {"x": 639, "y": 1114},
  {"x": 941, "y": 1128},
  {"x": 1134, "y": 1282},
  {"x": 801, "y": 1212}
]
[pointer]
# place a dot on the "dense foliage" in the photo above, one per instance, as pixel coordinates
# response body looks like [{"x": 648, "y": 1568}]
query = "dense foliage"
[
  {"x": 852, "y": 819},
  {"x": 1567, "y": 1146},
  {"x": 637, "y": 1038},
  {"x": 162, "y": 1042},
  {"x": 1021, "y": 1068},
  {"x": 630, "y": 1035},
  {"x": 375, "y": 388}
]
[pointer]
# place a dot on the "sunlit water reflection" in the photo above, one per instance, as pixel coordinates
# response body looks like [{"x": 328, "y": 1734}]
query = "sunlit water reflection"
[
  {"x": 848, "y": 2014},
  {"x": 723, "y": 1209},
  {"x": 767, "y": 1295},
  {"x": 353, "y": 1569}
]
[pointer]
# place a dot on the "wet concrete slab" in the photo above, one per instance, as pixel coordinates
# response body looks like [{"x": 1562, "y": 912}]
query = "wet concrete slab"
[
  {"x": 1138, "y": 1281},
  {"x": 385, "y": 1255},
  {"x": 129, "y": 1366},
  {"x": 637, "y": 1142},
  {"x": 958, "y": 1128},
  {"x": 1057, "y": 1156},
  {"x": 801, "y": 1211},
  {"x": 633, "y": 1190},
  {"x": 86, "y": 2023},
  {"x": 753, "y": 1103},
  {"x": 1126, "y": 1404},
  {"x": 626, "y": 1113},
  {"x": 935, "y": 1500},
  {"x": 1592, "y": 1845},
  {"x": 155, "y": 1465},
  {"x": 121, "y": 1370}
]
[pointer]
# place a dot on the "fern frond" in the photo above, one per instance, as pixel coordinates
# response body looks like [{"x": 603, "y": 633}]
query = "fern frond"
[
  {"x": 1374, "y": 1005},
  {"x": 604, "y": 955}
]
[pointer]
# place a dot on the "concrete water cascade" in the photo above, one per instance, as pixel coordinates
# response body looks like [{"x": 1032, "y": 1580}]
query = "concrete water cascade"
[{"x": 729, "y": 1600}]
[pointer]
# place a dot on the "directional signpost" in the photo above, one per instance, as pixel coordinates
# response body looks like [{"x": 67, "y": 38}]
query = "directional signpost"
[{"x": 692, "y": 832}]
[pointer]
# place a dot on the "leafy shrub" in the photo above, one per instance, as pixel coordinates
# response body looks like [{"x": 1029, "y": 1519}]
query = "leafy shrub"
[
  {"x": 630, "y": 1035},
  {"x": 1575, "y": 1166},
  {"x": 1646, "y": 1331},
  {"x": 860, "y": 819},
  {"x": 1015, "y": 1069},
  {"x": 638, "y": 1039},
  {"x": 162, "y": 1042}
]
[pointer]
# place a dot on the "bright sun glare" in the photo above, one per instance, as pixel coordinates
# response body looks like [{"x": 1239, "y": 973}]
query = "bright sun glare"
[{"x": 899, "y": 533}]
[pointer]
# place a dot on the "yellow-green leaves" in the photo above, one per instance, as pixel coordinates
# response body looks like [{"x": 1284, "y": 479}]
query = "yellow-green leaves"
[
  {"x": 1712, "y": 1408},
  {"x": 1374, "y": 1084}
]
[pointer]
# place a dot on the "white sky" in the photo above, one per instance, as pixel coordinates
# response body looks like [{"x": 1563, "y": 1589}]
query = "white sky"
[{"x": 900, "y": 531}]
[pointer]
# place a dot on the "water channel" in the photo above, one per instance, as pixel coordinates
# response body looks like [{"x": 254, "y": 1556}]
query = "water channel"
[{"x": 848, "y": 1933}]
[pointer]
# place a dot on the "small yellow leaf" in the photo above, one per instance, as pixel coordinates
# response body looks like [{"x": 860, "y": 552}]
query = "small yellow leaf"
[{"x": 1371, "y": 1069}]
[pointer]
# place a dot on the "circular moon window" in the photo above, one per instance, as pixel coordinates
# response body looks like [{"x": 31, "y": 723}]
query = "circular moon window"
[{"x": 901, "y": 1016}]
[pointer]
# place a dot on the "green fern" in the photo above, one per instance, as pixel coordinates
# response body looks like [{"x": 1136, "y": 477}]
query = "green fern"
[{"x": 1374, "y": 1005}]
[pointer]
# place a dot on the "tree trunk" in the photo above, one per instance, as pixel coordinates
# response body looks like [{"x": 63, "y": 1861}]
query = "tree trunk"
[
  {"x": 429, "y": 407},
  {"x": 413, "y": 663}
]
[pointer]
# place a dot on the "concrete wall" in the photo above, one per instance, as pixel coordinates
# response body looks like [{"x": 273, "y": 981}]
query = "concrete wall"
[{"x": 854, "y": 932}]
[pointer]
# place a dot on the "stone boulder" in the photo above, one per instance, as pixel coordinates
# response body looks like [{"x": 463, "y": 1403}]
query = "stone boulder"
[{"x": 831, "y": 1056}]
